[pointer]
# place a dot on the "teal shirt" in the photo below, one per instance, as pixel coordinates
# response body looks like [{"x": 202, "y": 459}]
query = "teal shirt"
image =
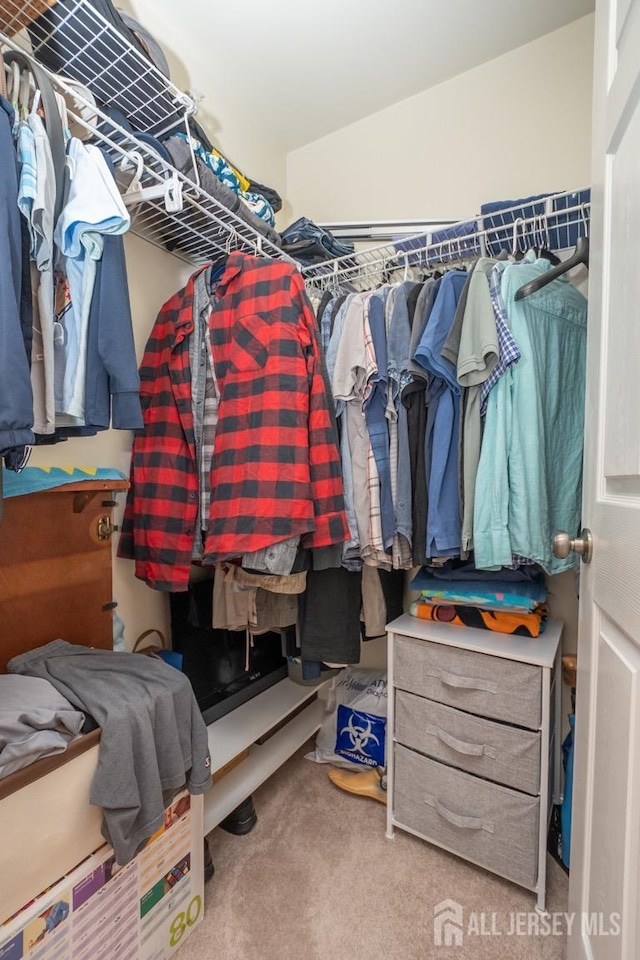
[{"x": 529, "y": 481}]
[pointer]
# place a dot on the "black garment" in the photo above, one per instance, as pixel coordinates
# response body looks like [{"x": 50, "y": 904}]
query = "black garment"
[
  {"x": 392, "y": 583},
  {"x": 327, "y": 297},
  {"x": 330, "y": 616},
  {"x": 414, "y": 397}
]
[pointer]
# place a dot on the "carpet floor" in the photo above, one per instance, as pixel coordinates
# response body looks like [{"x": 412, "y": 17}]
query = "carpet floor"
[{"x": 316, "y": 879}]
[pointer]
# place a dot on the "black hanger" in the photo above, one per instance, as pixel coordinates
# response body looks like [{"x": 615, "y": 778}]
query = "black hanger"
[
  {"x": 579, "y": 255},
  {"x": 544, "y": 254}
]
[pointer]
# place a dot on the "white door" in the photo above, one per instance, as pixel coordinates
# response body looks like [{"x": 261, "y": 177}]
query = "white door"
[{"x": 605, "y": 863}]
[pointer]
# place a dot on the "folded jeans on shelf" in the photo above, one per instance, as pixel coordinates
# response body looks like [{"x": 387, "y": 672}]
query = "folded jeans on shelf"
[{"x": 305, "y": 229}]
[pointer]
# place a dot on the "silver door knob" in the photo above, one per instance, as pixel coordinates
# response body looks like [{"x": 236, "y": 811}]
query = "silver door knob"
[{"x": 563, "y": 545}]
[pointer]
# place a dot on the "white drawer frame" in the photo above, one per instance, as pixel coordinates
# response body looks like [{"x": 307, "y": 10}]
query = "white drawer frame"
[{"x": 545, "y": 652}]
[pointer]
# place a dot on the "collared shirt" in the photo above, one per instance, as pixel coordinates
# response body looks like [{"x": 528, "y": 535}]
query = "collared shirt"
[
  {"x": 276, "y": 470},
  {"x": 509, "y": 352},
  {"x": 524, "y": 490}
]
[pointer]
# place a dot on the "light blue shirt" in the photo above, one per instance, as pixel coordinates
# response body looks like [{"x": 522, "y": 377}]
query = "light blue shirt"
[
  {"x": 529, "y": 482},
  {"x": 93, "y": 208}
]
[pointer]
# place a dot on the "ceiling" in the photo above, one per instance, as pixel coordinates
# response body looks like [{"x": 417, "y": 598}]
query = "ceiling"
[{"x": 305, "y": 68}]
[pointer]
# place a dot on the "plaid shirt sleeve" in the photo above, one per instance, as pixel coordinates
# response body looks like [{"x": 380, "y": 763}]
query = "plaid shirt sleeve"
[
  {"x": 509, "y": 351},
  {"x": 159, "y": 522}
]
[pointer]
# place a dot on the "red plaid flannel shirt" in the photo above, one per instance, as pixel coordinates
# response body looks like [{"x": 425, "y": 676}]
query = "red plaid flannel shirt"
[{"x": 276, "y": 468}]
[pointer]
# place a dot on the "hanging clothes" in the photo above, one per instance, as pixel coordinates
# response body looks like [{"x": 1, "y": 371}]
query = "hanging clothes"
[
  {"x": 275, "y": 467},
  {"x": 443, "y": 421},
  {"x": 16, "y": 399},
  {"x": 529, "y": 477}
]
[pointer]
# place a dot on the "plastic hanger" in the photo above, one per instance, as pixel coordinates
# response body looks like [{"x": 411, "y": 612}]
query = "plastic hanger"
[
  {"x": 579, "y": 255},
  {"x": 24, "y": 93}
]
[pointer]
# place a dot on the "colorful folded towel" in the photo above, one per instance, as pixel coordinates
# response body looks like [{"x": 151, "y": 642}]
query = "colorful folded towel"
[{"x": 498, "y": 621}]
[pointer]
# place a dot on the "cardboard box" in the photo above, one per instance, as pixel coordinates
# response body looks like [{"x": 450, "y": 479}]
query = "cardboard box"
[{"x": 142, "y": 911}]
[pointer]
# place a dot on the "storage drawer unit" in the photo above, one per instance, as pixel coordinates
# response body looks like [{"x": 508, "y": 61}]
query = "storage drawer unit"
[
  {"x": 470, "y": 740},
  {"x": 495, "y": 751},
  {"x": 491, "y": 825},
  {"x": 489, "y": 686}
]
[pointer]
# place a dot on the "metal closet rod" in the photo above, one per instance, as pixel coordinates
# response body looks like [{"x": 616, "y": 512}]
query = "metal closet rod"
[{"x": 367, "y": 230}]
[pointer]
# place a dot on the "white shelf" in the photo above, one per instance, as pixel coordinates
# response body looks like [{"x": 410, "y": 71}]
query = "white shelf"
[
  {"x": 167, "y": 208},
  {"x": 540, "y": 651},
  {"x": 262, "y": 761},
  {"x": 75, "y": 39},
  {"x": 240, "y": 729}
]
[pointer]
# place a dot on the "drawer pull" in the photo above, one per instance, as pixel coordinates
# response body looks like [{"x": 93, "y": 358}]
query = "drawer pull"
[
  {"x": 461, "y": 746},
  {"x": 466, "y": 683},
  {"x": 465, "y": 823}
]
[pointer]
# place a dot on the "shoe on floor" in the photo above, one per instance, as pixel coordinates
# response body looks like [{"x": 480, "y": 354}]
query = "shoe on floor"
[
  {"x": 365, "y": 783},
  {"x": 242, "y": 819},
  {"x": 209, "y": 869}
]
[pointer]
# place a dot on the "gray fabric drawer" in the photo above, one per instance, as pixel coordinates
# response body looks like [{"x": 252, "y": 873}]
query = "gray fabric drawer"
[
  {"x": 505, "y": 754},
  {"x": 477, "y": 682},
  {"x": 494, "y": 826}
]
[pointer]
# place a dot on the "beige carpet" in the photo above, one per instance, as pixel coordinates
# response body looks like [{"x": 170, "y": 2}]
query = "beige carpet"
[{"x": 317, "y": 879}]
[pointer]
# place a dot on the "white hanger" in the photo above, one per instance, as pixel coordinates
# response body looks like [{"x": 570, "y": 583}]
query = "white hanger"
[
  {"x": 514, "y": 241},
  {"x": 406, "y": 267},
  {"x": 24, "y": 93},
  {"x": 170, "y": 189}
]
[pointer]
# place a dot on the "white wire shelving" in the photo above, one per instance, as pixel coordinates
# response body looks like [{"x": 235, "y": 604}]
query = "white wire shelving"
[
  {"x": 167, "y": 208},
  {"x": 553, "y": 221},
  {"x": 73, "y": 38}
]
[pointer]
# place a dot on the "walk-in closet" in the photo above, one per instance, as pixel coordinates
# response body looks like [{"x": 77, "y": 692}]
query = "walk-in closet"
[{"x": 320, "y": 460}]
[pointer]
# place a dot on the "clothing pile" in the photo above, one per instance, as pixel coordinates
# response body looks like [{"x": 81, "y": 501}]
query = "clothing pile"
[
  {"x": 511, "y": 601},
  {"x": 153, "y": 739},
  {"x": 309, "y": 243},
  {"x": 68, "y": 367},
  {"x": 224, "y": 183},
  {"x": 35, "y": 721}
]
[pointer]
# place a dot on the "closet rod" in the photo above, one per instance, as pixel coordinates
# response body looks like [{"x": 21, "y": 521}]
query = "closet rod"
[
  {"x": 553, "y": 228},
  {"x": 366, "y": 231}
]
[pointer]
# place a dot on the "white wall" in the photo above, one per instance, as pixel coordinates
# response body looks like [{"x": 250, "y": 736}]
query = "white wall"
[{"x": 517, "y": 125}]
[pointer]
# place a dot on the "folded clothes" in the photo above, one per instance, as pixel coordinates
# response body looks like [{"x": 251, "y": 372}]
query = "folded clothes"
[
  {"x": 489, "y": 594},
  {"x": 455, "y": 569},
  {"x": 498, "y": 621},
  {"x": 181, "y": 159},
  {"x": 304, "y": 229}
]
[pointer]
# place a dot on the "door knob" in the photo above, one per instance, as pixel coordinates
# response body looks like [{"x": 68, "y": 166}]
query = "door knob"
[{"x": 563, "y": 545}]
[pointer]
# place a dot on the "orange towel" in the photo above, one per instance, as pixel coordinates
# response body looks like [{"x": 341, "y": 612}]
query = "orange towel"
[{"x": 499, "y": 621}]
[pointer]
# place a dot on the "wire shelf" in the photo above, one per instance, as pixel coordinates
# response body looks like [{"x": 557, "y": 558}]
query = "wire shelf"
[
  {"x": 166, "y": 207},
  {"x": 72, "y": 38},
  {"x": 200, "y": 228},
  {"x": 554, "y": 221}
]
